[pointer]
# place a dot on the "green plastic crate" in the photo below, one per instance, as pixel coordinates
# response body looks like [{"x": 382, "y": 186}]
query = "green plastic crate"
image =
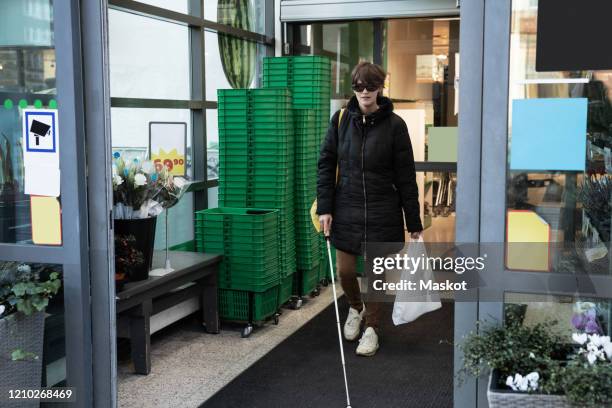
[
  {"x": 305, "y": 281},
  {"x": 285, "y": 290},
  {"x": 244, "y": 306}
]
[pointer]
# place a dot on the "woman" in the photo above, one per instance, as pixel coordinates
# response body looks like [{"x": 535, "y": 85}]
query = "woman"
[{"x": 366, "y": 177}]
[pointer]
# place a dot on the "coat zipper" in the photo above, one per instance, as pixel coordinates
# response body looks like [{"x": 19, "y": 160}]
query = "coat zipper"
[{"x": 365, "y": 194}]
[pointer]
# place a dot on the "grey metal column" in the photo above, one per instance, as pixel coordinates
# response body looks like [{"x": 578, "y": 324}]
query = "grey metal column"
[
  {"x": 198, "y": 116},
  {"x": 94, "y": 39},
  {"x": 468, "y": 171},
  {"x": 494, "y": 150},
  {"x": 77, "y": 302},
  {"x": 269, "y": 25}
]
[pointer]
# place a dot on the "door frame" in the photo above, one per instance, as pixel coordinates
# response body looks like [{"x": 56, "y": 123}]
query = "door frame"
[
  {"x": 491, "y": 202},
  {"x": 84, "y": 196}
]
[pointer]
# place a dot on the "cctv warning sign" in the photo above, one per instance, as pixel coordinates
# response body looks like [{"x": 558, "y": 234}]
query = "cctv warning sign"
[{"x": 40, "y": 130}]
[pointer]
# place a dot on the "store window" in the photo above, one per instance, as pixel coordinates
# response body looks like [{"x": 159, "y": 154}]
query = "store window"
[
  {"x": 231, "y": 62},
  {"x": 248, "y": 15},
  {"x": 559, "y": 160},
  {"x": 27, "y": 80},
  {"x": 151, "y": 62},
  {"x": 131, "y": 130},
  {"x": 212, "y": 139}
]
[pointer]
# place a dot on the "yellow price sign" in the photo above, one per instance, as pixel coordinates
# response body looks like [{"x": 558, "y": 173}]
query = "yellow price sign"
[{"x": 174, "y": 161}]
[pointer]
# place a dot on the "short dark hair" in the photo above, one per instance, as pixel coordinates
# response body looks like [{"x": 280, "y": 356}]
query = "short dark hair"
[{"x": 368, "y": 73}]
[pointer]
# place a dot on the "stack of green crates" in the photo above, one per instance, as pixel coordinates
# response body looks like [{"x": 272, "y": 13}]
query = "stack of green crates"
[
  {"x": 309, "y": 79},
  {"x": 256, "y": 161},
  {"x": 248, "y": 240},
  {"x": 308, "y": 253}
]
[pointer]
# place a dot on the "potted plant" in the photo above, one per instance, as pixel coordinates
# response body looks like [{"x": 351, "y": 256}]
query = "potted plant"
[
  {"x": 25, "y": 291},
  {"x": 141, "y": 191},
  {"x": 531, "y": 366}
]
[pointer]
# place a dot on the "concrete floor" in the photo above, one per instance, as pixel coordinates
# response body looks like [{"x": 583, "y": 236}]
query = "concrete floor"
[{"x": 189, "y": 365}]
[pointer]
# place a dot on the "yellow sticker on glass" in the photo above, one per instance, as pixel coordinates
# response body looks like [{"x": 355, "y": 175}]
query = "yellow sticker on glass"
[
  {"x": 527, "y": 242},
  {"x": 46, "y": 220}
]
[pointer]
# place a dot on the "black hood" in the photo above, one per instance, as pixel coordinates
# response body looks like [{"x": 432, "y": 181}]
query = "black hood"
[{"x": 385, "y": 107}]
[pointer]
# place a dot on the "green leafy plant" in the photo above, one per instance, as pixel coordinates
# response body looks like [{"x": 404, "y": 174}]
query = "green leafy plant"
[
  {"x": 582, "y": 372},
  {"x": 510, "y": 349},
  {"x": 26, "y": 288},
  {"x": 586, "y": 378}
]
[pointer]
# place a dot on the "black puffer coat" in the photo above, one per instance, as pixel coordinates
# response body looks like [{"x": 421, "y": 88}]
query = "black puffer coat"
[{"x": 374, "y": 157}]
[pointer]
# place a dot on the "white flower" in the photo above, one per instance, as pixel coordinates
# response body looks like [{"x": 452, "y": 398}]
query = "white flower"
[
  {"x": 580, "y": 338},
  {"x": 595, "y": 340},
  {"x": 2, "y": 309},
  {"x": 520, "y": 383},
  {"x": 117, "y": 180},
  {"x": 23, "y": 268},
  {"x": 140, "y": 179},
  {"x": 523, "y": 384},
  {"x": 608, "y": 350},
  {"x": 531, "y": 355},
  {"x": 592, "y": 358}
]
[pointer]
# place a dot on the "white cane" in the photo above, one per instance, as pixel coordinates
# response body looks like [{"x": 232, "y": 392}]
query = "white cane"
[{"x": 331, "y": 269}]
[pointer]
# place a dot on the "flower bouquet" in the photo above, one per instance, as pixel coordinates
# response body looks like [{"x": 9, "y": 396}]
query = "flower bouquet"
[{"x": 141, "y": 191}]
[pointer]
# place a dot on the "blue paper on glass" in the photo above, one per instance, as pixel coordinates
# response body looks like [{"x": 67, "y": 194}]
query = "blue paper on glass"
[{"x": 549, "y": 134}]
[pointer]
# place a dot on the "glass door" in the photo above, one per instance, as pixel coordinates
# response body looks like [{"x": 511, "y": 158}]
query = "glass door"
[
  {"x": 43, "y": 217},
  {"x": 545, "y": 165}
]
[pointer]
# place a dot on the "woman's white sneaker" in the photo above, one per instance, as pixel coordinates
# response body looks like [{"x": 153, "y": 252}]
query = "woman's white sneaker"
[
  {"x": 368, "y": 344},
  {"x": 352, "y": 326}
]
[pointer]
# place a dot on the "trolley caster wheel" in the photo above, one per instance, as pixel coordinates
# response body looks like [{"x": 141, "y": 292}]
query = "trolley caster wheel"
[
  {"x": 246, "y": 332},
  {"x": 276, "y": 318},
  {"x": 325, "y": 282},
  {"x": 296, "y": 304},
  {"x": 315, "y": 293}
]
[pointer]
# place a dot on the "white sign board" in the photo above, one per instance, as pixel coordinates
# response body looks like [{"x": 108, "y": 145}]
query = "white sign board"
[
  {"x": 167, "y": 145},
  {"x": 41, "y": 146}
]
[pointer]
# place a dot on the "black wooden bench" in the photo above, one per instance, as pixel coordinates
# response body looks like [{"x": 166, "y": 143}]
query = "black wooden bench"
[{"x": 138, "y": 301}]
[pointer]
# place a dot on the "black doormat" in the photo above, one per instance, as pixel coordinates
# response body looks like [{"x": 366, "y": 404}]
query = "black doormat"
[{"x": 413, "y": 368}]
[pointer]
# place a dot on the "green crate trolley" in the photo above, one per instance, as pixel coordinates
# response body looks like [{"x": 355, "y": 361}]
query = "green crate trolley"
[
  {"x": 249, "y": 274},
  {"x": 309, "y": 79},
  {"x": 256, "y": 153}
]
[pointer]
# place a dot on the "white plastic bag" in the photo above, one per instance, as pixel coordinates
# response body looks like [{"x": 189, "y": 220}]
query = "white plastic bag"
[{"x": 410, "y": 305}]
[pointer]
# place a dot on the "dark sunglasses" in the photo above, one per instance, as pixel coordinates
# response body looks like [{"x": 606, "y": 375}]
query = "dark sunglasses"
[{"x": 361, "y": 87}]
